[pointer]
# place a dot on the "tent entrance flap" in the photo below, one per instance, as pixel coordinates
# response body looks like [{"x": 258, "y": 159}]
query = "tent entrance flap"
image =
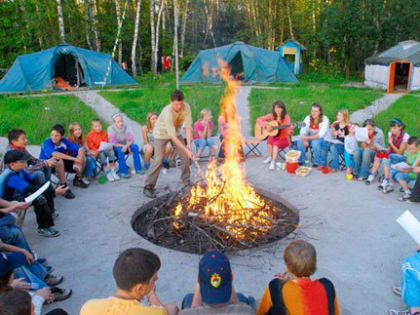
[
  {"x": 237, "y": 67},
  {"x": 68, "y": 68}
]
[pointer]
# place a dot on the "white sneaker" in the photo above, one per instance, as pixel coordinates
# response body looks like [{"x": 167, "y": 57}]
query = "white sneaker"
[
  {"x": 272, "y": 166},
  {"x": 165, "y": 171},
  {"x": 370, "y": 179},
  {"x": 85, "y": 180},
  {"x": 267, "y": 160},
  {"x": 388, "y": 188},
  {"x": 109, "y": 176},
  {"x": 114, "y": 174}
]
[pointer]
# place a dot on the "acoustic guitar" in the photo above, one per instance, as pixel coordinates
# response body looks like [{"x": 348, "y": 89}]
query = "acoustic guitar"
[{"x": 262, "y": 133}]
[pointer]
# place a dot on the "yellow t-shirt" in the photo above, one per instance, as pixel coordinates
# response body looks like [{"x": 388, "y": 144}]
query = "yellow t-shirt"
[
  {"x": 169, "y": 122},
  {"x": 116, "y": 306}
]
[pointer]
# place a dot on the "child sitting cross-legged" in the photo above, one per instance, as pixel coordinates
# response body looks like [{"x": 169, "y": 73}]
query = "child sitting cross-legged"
[
  {"x": 404, "y": 175},
  {"x": 94, "y": 139},
  {"x": 72, "y": 155},
  {"x": 294, "y": 292}
]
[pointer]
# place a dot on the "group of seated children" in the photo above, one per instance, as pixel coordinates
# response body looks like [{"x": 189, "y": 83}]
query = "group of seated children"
[
  {"x": 331, "y": 147},
  {"x": 292, "y": 292}
]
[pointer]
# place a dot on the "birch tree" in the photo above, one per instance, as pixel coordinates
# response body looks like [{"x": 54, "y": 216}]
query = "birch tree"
[
  {"x": 88, "y": 18},
  {"x": 60, "y": 20},
  {"x": 155, "y": 33},
  {"x": 117, "y": 9},
  {"x": 183, "y": 28},
  {"x": 95, "y": 24},
  {"x": 135, "y": 39}
]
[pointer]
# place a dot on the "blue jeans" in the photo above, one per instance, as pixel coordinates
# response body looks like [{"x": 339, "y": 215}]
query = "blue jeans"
[
  {"x": 396, "y": 175},
  {"x": 121, "y": 158},
  {"x": 319, "y": 148},
  {"x": 394, "y": 159},
  {"x": 31, "y": 274},
  {"x": 363, "y": 158},
  {"x": 201, "y": 144},
  {"x": 336, "y": 150},
  {"x": 13, "y": 235},
  {"x": 187, "y": 301},
  {"x": 90, "y": 168},
  {"x": 41, "y": 176}
]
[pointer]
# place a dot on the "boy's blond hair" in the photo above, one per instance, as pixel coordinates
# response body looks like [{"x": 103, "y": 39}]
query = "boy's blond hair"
[
  {"x": 204, "y": 112},
  {"x": 300, "y": 258}
]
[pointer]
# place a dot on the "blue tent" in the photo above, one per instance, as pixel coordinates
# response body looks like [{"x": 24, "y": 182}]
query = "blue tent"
[
  {"x": 248, "y": 63},
  {"x": 36, "y": 71}
]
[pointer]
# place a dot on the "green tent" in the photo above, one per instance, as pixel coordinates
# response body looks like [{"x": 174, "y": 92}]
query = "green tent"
[
  {"x": 81, "y": 67},
  {"x": 248, "y": 63}
]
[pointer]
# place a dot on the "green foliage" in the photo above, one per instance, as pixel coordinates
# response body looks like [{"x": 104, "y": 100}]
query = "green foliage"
[
  {"x": 137, "y": 103},
  {"x": 407, "y": 109},
  {"x": 36, "y": 115},
  {"x": 299, "y": 99}
]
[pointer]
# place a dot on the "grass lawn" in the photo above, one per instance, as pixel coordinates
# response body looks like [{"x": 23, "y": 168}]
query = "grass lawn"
[
  {"x": 299, "y": 99},
  {"x": 36, "y": 115},
  {"x": 407, "y": 108},
  {"x": 137, "y": 103}
]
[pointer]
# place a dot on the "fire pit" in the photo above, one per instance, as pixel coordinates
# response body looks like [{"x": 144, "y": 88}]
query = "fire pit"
[
  {"x": 193, "y": 233},
  {"x": 222, "y": 210}
]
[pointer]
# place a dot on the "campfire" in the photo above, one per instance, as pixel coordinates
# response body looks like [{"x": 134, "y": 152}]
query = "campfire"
[{"x": 222, "y": 210}]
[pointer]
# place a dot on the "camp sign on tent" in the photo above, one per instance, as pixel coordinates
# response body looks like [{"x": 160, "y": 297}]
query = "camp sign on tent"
[
  {"x": 396, "y": 69},
  {"x": 248, "y": 64},
  {"x": 63, "y": 67}
]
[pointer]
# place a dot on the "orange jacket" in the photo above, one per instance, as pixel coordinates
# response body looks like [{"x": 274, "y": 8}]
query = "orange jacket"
[{"x": 94, "y": 139}]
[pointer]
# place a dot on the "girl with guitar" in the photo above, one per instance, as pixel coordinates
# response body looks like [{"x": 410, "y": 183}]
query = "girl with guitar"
[
  {"x": 282, "y": 139},
  {"x": 312, "y": 134}
]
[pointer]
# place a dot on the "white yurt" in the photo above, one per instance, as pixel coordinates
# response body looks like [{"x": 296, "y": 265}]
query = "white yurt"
[{"x": 396, "y": 69}]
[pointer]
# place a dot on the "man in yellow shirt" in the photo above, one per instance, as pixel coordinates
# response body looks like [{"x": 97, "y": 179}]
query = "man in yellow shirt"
[
  {"x": 135, "y": 273},
  {"x": 168, "y": 129}
]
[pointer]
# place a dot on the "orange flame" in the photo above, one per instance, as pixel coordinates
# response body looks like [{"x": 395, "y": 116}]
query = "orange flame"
[{"x": 227, "y": 199}]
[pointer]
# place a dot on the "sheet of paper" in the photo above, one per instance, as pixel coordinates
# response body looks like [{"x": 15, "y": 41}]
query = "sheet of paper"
[
  {"x": 410, "y": 224},
  {"x": 105, "y": 146},
  {"x": 38, "y": 193},
  {"x": 401, "y": 165},
  {"x": 361, "y": 134}
]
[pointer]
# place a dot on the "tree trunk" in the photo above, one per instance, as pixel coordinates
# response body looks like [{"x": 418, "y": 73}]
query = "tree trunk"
[
  {"x": 155, "y": 34},
  {"x": 95, "y": 24},
  {"x": 289, "y": 17},
  {"x": 184, "y": 26},
  {"x": 60, "y": 20},
  {"x": 88, "y": 18},
  {"x": 176, "y": 43},
  {"x": 40, "y": 40},
  {"x": 117, "y": 9},
  {"x": 152, "y": 35},
  {"x": 135, "y": 39}
]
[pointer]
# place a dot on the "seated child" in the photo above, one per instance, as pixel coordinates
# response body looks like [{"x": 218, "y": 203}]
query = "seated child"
[
  {"x": 364, "y": 157},
  {"x": 76, "y": 136},
  {"x": 122, "y": 138},
  {"x": 41, "y": 169},
  {"x": 339, "y": 130},
  {"x": 214, "y": 291},
  {"x": 397, "y": 144},
  {"x": 94, "y": 139},
  {"x": 203, "y": 129},
  {"x": 149, "y": 139},
  {"x": 17, "y": 184},
  {"x": 404, "y": 175},
  {"x": 72, "y": 155},
  {"x": 135, "y": 273},
  {"x": 294, "y": 292},
  {"x": 350, "y": 150}
]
